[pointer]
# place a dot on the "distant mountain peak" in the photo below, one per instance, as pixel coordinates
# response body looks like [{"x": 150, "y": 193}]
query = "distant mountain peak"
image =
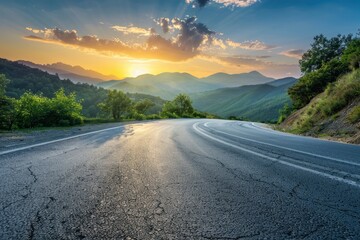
[
  {"x": 256, "y": 73},
  {"x": 75, "y": 73}
]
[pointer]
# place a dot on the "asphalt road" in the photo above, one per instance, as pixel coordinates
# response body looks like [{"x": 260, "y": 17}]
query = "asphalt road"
[{"x": 181, "y": 179}]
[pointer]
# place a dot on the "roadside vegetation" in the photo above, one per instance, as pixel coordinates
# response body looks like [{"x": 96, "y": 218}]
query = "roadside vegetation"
[
  {"x": 35, "y": 110},
  {"x": 325, "y": 100},
  {"x": 336, "y": 97},
  {"x": 324, "y": 63},
  {"x": 32, "y": 110}
]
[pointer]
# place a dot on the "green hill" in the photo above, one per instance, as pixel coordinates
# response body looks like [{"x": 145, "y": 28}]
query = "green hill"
[{"x": 255, "y": 102}]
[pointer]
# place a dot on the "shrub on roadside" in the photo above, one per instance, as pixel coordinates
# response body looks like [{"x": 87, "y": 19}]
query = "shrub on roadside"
[{"x": 354, "y": 115}]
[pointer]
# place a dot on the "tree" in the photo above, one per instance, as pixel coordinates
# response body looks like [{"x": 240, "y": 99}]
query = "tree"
[
  {"x": 313, "y": 83},
  {"x": 351, "y": 55},
  {"x": 30, "y": 110},
  {"x": 3, "y": 83},
  {"x": 322, "y": 64},
  {"x": 7, "y": 112},
  {"x": 181, "y": 106},
  {"x": 143, "y": 106},
  {"x": 117, "y": 104},
  {"x": 7, "y": 105},
  {"x": 322, "y": 51},
  {"x": 64, "y": 109}
]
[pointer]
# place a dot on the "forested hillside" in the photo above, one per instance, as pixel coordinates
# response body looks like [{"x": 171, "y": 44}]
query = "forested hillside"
[
  {"x": 254, "y": 102},
  {"x": 23, "y": 78},
  {"x": 168, "y": 85}
]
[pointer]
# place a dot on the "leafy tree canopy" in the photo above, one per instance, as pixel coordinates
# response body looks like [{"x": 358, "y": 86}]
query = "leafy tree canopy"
[
  {"x": 3, "y": 83},
  {"x": 143, "y": 106},
  {"x": 117, "y": 104},
  {"x": 181, "y": 106},
  {"x": 352, "y": 54},
  {"x": 324, "y": 63},
  {"x": 322, "y": 51}
]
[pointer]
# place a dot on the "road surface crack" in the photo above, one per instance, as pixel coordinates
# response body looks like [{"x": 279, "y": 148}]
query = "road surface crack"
[
  {"x": 226, "y": 238},
  {"x": 32, "y": 174},
  {"x": 293, "y": 190},
  {"x": 27, "y": 188},
  {"x": 38, "y": 219},
  {"x": 32, "y": 225}
]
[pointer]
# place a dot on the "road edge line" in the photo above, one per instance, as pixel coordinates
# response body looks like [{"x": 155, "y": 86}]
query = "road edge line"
[
  {"x": 56, "y": 140},
  {"x": 339, "y": 179},
  {"x": 285, "y": 148}
]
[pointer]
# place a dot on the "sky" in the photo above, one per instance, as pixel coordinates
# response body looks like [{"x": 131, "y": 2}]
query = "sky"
[{"x": 127, "y": 38}]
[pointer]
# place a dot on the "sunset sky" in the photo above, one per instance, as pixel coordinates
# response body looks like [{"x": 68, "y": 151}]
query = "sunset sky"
[{"x": 132, "y": 37}]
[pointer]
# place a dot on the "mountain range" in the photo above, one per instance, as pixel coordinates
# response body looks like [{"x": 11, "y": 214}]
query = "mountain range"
[
  {"x": 260, "y": 102},
  {"x": 168, "y": 85},
  {"x": 76, "y": 74},
  {"x": 248, "y": 95}
]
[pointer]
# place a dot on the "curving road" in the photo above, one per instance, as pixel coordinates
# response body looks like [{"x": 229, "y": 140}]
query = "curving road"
[{"x": 181, "y": 179}]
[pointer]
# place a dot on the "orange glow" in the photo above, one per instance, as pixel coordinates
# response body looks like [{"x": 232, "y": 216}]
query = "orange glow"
[
  {"x": 121, "y": 67},
  {"x": 137, "y": 70}
]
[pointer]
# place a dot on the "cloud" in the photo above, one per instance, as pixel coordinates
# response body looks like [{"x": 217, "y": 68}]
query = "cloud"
[
  {"x": 226, "y": 3},
  {"x": 293, "y": 53},
  {"x": 190, "y": 37},
  {"x": 237, "y": 3},
  {"x": 132, "y": 30},
  {"x": 219, "y": 43},
  {"x": 242, "y": 60},
  {"x": 258, "y": 63},
  {"x": 34, "y": 30},
  {"x": 251, "y": 45},
  {"x": 164, "y": 23},
  {"x": 191, "y": 34}
]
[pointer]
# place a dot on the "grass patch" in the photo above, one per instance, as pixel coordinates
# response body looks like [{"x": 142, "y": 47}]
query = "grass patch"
[
  {"x": 354, "y": 115},
  {"x": 337, "y": 96}
]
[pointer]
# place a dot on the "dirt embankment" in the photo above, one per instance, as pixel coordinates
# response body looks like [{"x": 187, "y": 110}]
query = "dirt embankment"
[{"x": 337, "y": 127}]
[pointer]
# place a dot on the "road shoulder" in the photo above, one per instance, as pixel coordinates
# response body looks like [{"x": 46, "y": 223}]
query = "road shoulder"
[{"x": 20, "y": 138}]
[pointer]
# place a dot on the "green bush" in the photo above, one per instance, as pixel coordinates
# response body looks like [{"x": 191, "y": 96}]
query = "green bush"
[
  {"x": 354, "y": 115},
  {"x": 153, "y": 117},
  {"x": 139, "y": 116},
  {"x": 64, "y": 123},
  {"x": 35, "y": 110},
  {"x": 284, "y": 113}
]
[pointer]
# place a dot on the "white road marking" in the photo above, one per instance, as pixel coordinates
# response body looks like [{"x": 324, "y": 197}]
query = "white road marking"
[
  {"x": 285, "y": 148},
  {"x": 57, "y": 140},
  {"x": 347, "y": 181}
]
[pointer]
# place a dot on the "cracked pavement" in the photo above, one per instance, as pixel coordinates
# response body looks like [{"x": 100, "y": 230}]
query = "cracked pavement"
[{"x": 164, "y": 180}]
